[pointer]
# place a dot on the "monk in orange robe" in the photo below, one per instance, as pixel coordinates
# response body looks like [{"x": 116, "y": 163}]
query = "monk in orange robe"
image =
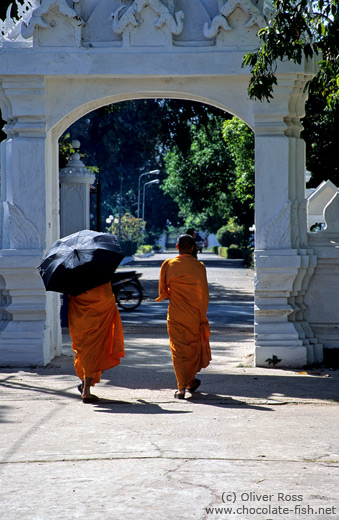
[
  {"x": 183, "y": 280},
  {"x": 97, "y": 336}
]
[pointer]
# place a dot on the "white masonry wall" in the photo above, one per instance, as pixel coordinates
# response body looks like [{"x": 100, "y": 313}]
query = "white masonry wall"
[{"x": 63, "y": 59}]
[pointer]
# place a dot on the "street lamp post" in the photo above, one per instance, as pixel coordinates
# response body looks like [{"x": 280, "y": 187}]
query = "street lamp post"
[
  {"x": 155, "y": 181},
  {"x": 152, "y": 172},
  {"x": 120, "y": 206}
]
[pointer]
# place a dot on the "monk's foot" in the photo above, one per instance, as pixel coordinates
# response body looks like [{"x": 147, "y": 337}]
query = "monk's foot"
[
  {"x": 81, "y": 388},
  {"x": 179, "y": 394},
  {"x": 89, "y": 398},
  {"x": 194, "y": 386}
]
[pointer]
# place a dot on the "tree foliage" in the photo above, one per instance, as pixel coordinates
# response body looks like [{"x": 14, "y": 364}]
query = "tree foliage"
[
  {"x": 321, "y": 133},
  {"x": 297, "y": 29},
  {"x": 200, "y": 177},
  {"x": 240, "y": 141},
  {"x": 204, "y": 179}
]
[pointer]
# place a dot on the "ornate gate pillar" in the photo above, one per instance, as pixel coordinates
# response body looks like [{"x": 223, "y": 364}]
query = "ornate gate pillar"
[
  {"x": 75, "y": 182},
  {"x": 29, "y": 330},
  {"x": 283, "y": 263}
]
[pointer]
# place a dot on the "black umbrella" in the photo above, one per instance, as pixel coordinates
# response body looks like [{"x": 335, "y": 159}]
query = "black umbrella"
[{"x": 79, "y": 262}]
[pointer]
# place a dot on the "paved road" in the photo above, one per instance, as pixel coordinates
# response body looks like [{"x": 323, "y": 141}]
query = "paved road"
[
  {"x": 250, "y": 440},
  {"x": 231, "y": 293}
]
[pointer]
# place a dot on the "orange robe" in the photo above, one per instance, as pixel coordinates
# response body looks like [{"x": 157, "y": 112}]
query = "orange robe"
[
  {"x": 183, "y": 280},
  {"x": 96, "y": 331}
]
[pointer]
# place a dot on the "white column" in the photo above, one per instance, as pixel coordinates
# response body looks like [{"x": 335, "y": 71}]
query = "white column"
[
  {"x": 281, "y": 262},
  {"x": 29, "y": 334}
]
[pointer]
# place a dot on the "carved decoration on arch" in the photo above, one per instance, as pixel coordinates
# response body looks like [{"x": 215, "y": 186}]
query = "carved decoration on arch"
[
  {"x": 47, "y": 15},
  {"x": 10, "y": 28},
  {"x": 22, "y": 233},
  {"x": 295, "y": 224},
  {"x": 5, "y": 107},
  {"x": 276, "y": 233},
  {"x": 221, "y": 23},
  {"x": 147, "y": 22},
  {"x": 296, "y": 106},
  {"x": 5, "y": 301},
  {"x": 302, "y": 222},
  {"x": 331, "y": 215}
]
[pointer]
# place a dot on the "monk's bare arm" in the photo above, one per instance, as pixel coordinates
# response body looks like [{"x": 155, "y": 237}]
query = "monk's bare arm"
[{"x": 163, "y": 286}]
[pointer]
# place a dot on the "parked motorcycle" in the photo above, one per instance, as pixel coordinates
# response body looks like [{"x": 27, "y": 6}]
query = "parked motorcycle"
[{"x": 127, "y": 289}]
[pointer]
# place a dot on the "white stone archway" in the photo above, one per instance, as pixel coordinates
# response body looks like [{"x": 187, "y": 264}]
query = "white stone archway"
[{"x": 64, "y": 58}]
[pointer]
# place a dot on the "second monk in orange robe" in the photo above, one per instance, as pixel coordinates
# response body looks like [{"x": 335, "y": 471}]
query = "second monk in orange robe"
[
  {"x": 183, "y": 280},
  {"x": 97, "y": 336}
]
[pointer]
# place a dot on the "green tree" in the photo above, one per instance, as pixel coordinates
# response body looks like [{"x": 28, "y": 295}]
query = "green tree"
[
  {"x": 297, "y": 29},
  {"x": 240, "y": 141},
  {"x": 321, "y": 132},
  {"x": 201, "y": 179},
  {"x": 213, "y": 181}
]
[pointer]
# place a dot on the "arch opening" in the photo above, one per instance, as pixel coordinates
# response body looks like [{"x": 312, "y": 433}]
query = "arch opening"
[{"x": 99, "y": 135}]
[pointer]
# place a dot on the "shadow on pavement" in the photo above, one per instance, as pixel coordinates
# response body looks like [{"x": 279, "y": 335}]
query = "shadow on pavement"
[
  {"x": 247, "y": 386},
  {"x": 225, "y": 402},
  {"x": 219, "y": 293},
  {"x": 24, "y": 385},
  {"x": 149, "y": 367},
  {"x": 148, "y": 407},
  {"x": 139, "y": 407},
  {"x": 226, "y": 390}
]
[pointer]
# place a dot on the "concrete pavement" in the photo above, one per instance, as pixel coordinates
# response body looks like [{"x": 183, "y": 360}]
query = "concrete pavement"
[
  {"x": 139, "y": 453},
  {"x": 253, "y": 443}
]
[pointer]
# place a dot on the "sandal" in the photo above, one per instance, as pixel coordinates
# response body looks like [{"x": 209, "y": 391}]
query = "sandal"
[
  {"x": 195, "y": 386},
  {"x": 90, "y": 399},
  {"x": 178, "y": 395}
]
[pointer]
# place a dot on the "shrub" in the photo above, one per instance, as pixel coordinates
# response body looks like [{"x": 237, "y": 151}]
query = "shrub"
[
  {"x": 230, "y": 234},
  {"x": 144, "y": 249},
  {"x": 131, "y": 230},
  {"x": 234, "y": 252},
  {"x": 222, "y": 251},
  {"x": 248, "y": 255},
  {"x": 224, "y": 236}
]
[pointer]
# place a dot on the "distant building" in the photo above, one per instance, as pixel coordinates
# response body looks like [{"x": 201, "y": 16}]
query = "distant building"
[{"x": 317, "y": 200}]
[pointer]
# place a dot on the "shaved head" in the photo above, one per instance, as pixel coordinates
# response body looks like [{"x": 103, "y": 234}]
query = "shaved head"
[{"x": 185, "y": 244}]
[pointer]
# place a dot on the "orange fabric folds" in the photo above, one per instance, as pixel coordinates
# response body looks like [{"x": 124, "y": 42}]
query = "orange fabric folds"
[
  {"x": 183, "y": 280},
  {"x": 96, "y": 331}
]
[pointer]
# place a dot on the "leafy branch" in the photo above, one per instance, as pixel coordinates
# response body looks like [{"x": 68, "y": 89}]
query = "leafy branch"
[{"x": 297, "y": 30}]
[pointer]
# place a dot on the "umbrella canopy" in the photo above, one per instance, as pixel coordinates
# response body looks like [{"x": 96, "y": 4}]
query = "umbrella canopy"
[{"x": 81, "y": 261}]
